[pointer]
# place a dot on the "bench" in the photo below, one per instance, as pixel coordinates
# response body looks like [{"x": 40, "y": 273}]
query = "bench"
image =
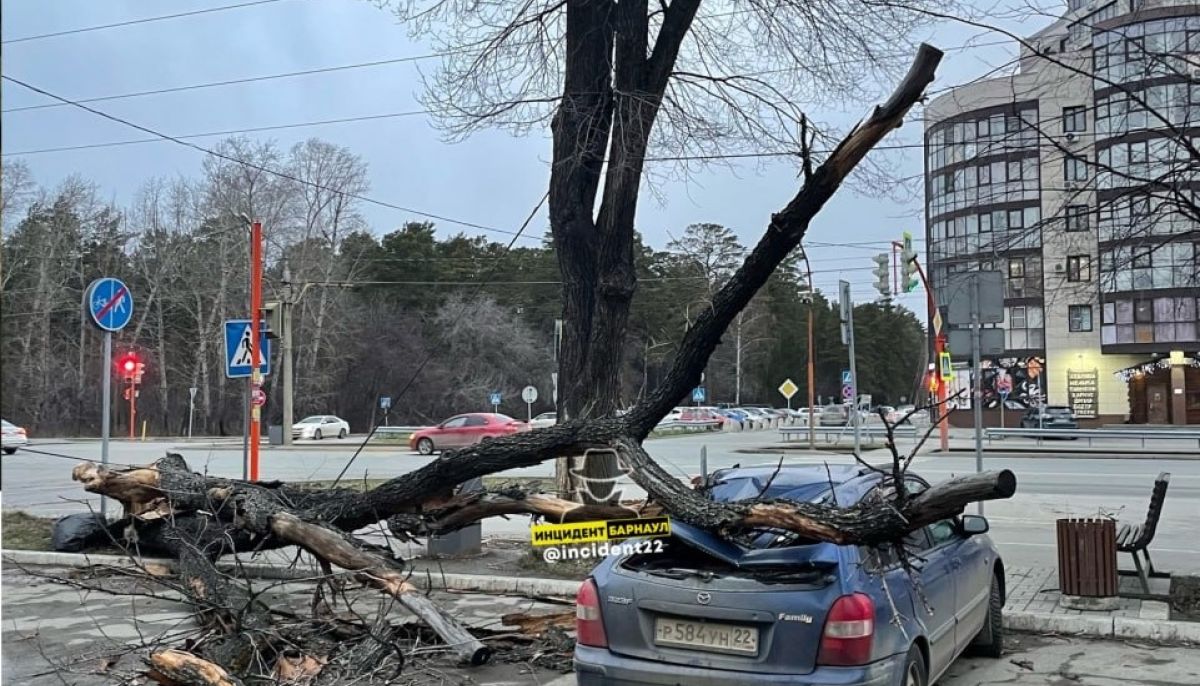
[{"x": 1136, "y": 538}]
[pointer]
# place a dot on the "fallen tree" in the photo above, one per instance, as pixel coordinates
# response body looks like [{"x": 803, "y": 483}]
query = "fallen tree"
[{"x": 197, "y": 518}]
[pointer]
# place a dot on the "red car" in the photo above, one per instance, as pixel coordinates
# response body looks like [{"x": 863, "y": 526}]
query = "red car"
[{"x": 463, "y": 430}]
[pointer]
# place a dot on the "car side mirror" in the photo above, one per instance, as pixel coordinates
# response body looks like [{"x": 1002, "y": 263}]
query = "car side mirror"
[{"x": 973, "y": 525}]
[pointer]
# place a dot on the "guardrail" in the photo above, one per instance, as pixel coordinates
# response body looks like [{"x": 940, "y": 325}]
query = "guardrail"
[
  {"x": 1142, "y": 435},
  {"x": 397, "y": 429},
  {"x": 787, "y": 432}
]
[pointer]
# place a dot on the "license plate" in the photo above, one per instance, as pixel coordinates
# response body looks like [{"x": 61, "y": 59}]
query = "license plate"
[{"x": 709, "y": 636}]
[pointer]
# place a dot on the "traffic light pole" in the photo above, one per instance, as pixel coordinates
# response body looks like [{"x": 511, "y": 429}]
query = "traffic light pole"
[
  {"x": 939, "y": 346},
  {"x": 105, "y": 409},
  {"x": 132, "y": 408}
]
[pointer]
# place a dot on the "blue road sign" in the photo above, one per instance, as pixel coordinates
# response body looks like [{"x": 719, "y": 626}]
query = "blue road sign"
[
  {"x": 845, "y": 377},
  {"x": 698, "y": 394},
  {"x": 385, "y": 402},
  {"x": 109, "y": 303},
  {"x": 494, "y": 397},
  {"x": 238, "y": 363}
]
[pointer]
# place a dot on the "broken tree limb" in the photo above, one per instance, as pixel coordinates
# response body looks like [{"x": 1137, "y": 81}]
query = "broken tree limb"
[
  {"x": 184, "y": 668},
  {"x": 383, "y": 574}
]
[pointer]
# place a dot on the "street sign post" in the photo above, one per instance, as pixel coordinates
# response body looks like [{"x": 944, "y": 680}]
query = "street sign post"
[
  {"x": 191, "y": 408},
  {"x": 494, "y": 398},
  {"x": 849, "y": 375},
  {"x": 788, "y": 389},
  {"x": 385, "y": 404},
  {"x": 109, "y": 304},
  {"x": 238, "y": 353},
  {"x": 529, "y": 395},
  {"x": 698, "y": 394}
]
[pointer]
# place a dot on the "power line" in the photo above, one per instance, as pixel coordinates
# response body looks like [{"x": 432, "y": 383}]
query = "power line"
[
  {"x": 132, "y": 22},
  {"x": 258, "y": 167}
]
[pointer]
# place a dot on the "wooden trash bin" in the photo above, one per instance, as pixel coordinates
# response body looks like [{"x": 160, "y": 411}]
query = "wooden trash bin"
[{"x": 1087, "y": 557}]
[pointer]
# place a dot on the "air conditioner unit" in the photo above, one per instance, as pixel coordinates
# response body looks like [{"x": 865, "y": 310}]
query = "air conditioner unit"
[
  {"x": 1059, "y": 267},
  {"x": 1018, "y": 290},
  {"x": 1071, "y": 137}
]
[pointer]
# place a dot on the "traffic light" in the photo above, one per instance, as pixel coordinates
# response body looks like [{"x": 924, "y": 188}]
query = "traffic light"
[
  {"x": 272, "y": 317},
  {"x": 908, "y": 266},
  {"x": 883, "y": 274},
  {"x": 131, "y": 367}
]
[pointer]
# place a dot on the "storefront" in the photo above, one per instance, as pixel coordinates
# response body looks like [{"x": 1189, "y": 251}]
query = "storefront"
[{"x": 1164, "y": 390}]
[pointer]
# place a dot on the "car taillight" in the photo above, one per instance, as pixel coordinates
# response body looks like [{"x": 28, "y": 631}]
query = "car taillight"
[
  {"x": 849, "y": 629},
  {"x": 589, "y": 628}
]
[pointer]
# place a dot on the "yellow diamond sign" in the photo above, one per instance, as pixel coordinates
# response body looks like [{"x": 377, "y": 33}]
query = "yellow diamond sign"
[{"x": 788, "y": 389}]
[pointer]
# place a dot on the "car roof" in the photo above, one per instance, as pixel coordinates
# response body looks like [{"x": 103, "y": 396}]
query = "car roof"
[{"x": 793, "y": 482}]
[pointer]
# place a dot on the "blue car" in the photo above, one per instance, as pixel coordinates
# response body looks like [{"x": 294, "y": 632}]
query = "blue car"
[
  {"x": 735, "y": 415},
  {"x": 774, "y": 608}
]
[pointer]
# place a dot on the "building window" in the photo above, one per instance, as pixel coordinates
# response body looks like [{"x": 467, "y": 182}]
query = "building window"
[
  {"x": 1075, "y": 168},
  {"x": 1016, "y": 268},
  {"x": 1079, "y": 318},
  {"x": 1024, "y": 327},
  {"x": 1074, "y": 119},
  {"x": 1077, "y": 217},
  {"x": 1073, "y": 5},
  {"x": 1079, "y": 268}
]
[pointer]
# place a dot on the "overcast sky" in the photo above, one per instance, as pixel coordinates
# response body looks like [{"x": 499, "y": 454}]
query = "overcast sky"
[{"x": 492, "y": 178}]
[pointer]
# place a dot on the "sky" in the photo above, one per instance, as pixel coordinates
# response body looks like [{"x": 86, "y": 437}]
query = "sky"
[{"x": 492, "y": 178}]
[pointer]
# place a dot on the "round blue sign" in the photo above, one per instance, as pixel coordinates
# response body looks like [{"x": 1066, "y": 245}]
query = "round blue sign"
[{"x": 109, "y": 303}]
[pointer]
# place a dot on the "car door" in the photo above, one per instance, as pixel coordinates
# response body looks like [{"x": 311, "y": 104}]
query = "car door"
[
  {"x": 474, "y": 431},
  {"x": 938, "y": 583},
  {"x": 948, "y": 546},
  {"x": 450, "y": 434},
  {"x": 974, "y": 584}
]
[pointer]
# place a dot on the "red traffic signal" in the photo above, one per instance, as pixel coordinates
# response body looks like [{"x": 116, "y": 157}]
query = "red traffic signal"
[{"x": 130, "y": 365}]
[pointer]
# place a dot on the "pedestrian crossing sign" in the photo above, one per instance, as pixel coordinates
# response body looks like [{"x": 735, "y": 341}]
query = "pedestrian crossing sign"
[{"x": 238, "y": 358}]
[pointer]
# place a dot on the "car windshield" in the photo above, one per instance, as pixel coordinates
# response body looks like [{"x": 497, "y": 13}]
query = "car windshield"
[
  {"x": 503, "y": 418},
  {"x": 7, "y": 424},
  {"x": 311, "y": 420}
]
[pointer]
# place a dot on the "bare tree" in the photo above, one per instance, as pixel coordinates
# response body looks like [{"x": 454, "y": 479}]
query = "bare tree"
[{"x": 621, "y": 82}]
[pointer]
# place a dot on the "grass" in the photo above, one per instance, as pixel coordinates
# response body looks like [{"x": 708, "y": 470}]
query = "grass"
[{"x": 23, "y": 531}]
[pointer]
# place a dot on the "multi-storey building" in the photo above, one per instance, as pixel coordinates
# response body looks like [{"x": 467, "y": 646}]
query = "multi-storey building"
[{"x": 1077, "y": 177}]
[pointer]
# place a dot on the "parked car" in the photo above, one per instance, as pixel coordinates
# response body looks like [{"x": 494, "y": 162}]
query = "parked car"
[
  {"x": 320, "y": 426},
  {"x": 776, "y": 608},
  {"x": 915, "y": 417},
  {"x": 672, "y": 416},
  {"x": 463, "y": 430},
  {"x": 544, "y": 419},
  {"x": 833, "y": 415},
  {"x": 12, "y": 437},
  {"x": 701, "y": 415},
  {"x": 734, "y": 414},
  {"x": 757, "y": 414},
  {"x": 1049, "y": 417}
]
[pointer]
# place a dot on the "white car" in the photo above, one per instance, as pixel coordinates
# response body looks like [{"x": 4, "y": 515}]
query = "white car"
[
  {"x": 543, "y": 420},
  {"x": 12, "y": 437},
  {"x": 320, "y": 426}
]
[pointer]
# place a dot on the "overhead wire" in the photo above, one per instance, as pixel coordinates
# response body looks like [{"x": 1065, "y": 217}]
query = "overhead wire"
[
  {"x": 132, "y": 22},
  {"x": 259, "y": 167}
]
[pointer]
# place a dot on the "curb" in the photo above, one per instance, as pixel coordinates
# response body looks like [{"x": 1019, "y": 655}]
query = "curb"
[
  {"x": 1077, "y": 454},
  {"x": 479, "y": 583},
  {"x": 1162, "y": 631}
]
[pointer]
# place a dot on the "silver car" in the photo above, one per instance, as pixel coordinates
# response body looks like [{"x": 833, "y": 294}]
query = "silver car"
[{"x": 12, "y": 437}]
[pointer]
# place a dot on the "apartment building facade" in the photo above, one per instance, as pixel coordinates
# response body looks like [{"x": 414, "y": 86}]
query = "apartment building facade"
[{"x": 1077, "y": 177}]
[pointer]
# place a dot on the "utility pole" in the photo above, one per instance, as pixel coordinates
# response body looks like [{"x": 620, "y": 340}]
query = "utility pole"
[
  {"x": 976, "y": 380},
  {"x": 737, "y": 374},
  {"x": 256, "y": 257},
  {"x": 289, "y": 380},
  {"x": 847, "y": 306},
  {"x": 812, "y": 431}
]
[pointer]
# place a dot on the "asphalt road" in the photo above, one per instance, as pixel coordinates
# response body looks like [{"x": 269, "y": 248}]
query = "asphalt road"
[{"x": 1052, "y": 485}]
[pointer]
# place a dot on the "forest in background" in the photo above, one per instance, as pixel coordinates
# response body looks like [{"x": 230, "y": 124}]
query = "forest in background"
[{"x": 436, "y": 323}]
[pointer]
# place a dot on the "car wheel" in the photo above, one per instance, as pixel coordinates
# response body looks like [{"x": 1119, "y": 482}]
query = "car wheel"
[
  {"x": 915, "y": 672},
  {"x": 317, "y": 435},
  {"x": 9, "y": 451},
  {"x": 990, "y": 640},
  {"x": 425, "y": 446},
  {"x": 342, "y": 433}
]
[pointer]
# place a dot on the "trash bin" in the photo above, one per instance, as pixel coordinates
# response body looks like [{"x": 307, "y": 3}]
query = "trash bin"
[
  {"x": 275, "y": 434},
  {"x": 465, "y": 541},
  {"x": 1087, "y": 562}
]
